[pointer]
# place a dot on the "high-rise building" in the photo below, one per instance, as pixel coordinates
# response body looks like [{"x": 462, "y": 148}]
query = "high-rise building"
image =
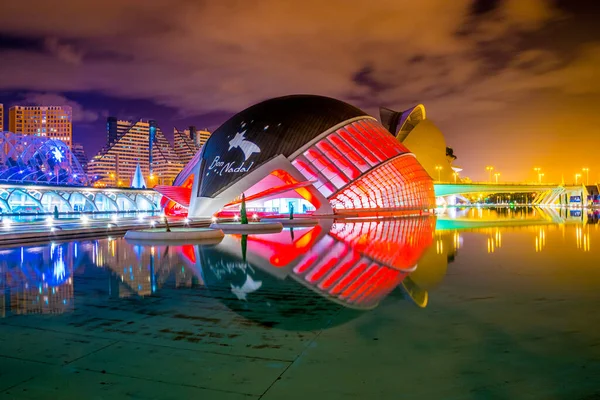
[
  {"x": 133, "y": 143},
  {"x": 202, "y": 136},
  {"x": 112, "y": 130},
  {"x": 79, "y": 153},
  {"x": 189, "y": 141},
  {"x": 1, "y": 117},
  {"x": 53, "y": 122},
  {"x": 184, "y": 144}
]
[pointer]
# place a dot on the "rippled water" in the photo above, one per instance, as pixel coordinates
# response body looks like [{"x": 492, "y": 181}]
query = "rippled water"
[{"x": 477, "y": 304}]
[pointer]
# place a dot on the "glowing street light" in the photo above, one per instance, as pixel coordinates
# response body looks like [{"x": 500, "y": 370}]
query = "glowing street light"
[
  {"x": 538, "y": 171},
  {"x": 489, "y": 169},
  {"x": 439, "y": 168},
  {"x": 497, "y": 175},
  {"x": 540, "y": 177},
  {"x": 577, "y": 176},
  {"x": 455, "y": 175},
  {"x": 587, "y": 175}
]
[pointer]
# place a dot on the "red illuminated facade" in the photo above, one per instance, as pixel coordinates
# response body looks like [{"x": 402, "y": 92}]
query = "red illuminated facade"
[{"x": 349, "y": 163}]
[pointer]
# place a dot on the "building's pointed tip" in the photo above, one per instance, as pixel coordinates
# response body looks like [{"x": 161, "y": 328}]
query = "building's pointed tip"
[{"x": 138, "y": 182}]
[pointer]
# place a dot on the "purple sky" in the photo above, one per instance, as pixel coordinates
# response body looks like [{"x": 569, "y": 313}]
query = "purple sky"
[{"x": 512, "y": 83}]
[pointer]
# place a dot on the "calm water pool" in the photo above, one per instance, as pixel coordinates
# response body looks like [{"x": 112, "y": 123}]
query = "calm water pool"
[{"x": 476, "y": 304}]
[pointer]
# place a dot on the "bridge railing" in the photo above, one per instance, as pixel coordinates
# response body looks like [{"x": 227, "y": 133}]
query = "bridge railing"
[{"x": 543, "y": 184}]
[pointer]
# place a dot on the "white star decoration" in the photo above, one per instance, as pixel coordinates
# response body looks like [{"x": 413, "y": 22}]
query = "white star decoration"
[
  {"x": 57, "y": 154},
  {"x": 248, "y": 287},
  {"x": 246, "y": 146}
]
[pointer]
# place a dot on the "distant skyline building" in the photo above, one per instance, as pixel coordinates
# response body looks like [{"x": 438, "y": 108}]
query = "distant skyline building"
[
  {"x": 1, "y": 117},
  {"x": 129, "y": 144},
  {"x": 185, "y": 143},
  {"x": 53, "y": 122},
  {"x": 79, "y": 153},
  {"x": 202, "y": 136}
]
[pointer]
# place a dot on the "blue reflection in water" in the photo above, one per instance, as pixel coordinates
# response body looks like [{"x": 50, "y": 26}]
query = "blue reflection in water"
[{"x": 294, "y": 279}]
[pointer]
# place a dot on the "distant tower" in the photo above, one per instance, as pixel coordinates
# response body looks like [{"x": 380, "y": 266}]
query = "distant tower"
[
  {"x": 185, "y": 144},
  {"x": 138, "y": 182},
  {"x": 79, "y": 153},
  {"x": 111, "y": 130},
  {"x": 193, "y": 132},
  {"x": 151, "y": 140}
]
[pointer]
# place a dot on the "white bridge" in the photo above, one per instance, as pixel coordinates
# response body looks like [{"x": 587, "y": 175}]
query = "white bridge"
[{"x": 546, "y": 194}]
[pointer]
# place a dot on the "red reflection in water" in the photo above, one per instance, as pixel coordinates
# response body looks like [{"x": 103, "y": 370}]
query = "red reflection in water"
[{"x": 358, "y": 263}]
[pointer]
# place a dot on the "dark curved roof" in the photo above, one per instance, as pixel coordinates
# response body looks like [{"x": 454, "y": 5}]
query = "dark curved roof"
[{"x": 277, "y": 126}]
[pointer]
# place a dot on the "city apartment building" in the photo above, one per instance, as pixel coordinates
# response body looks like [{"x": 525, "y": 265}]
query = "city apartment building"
[
  {"x": 79, "y": 153},
  {"x": 188, "y": 142},
  {"x": 201, "y": 137},
  {"x": 185, "y": 144},
  {"x": 53, "y": 122},
  {"x": 129, "y": 144}
]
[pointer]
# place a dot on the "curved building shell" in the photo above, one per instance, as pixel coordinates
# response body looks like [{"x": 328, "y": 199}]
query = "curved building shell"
[{"x": 331, "y": 156}]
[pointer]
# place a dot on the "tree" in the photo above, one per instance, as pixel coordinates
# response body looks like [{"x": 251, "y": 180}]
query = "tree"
[
  {"x": 243, "y": 213},
  {"x": 244, "y": 247}
]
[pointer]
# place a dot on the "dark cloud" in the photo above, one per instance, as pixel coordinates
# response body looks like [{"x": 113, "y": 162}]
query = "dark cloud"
[
  {"x": 80, "y": 115},
  {"x": 215, "y": 58}
]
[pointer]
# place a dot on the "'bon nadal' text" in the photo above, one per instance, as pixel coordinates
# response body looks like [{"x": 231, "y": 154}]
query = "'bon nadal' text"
[{"x": 221, "y": 167}]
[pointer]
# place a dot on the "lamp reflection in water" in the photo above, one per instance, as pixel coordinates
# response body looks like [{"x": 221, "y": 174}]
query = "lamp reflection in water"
[{"x": 582, "y": 236}]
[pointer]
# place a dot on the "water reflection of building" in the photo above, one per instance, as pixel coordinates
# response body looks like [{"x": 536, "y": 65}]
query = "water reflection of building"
[
  {"x": 37, "y": 279},
  {"x": 297, "y": 275},
  {"x": 141, "y": 270},
  {"x": 432, "y": 267}
]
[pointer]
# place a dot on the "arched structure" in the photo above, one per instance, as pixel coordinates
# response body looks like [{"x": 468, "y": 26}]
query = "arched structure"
[
  {"x": 309, "y": 153},
  {"x": 409, "y": 120},
  {"x": 423, "y": 138},
  {"x": 33, "y": 159},
  {"x": 22, "y": 199}
]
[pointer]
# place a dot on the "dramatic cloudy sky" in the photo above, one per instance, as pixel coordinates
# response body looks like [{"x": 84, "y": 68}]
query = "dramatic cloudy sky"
[{"x": 514, "y": 84}]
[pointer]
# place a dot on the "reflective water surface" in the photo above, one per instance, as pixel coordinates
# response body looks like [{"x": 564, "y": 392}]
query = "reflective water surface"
[{"x": 475, "y": 304}]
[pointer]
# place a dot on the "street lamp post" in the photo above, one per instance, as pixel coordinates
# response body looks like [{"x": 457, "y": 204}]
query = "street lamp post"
[
  {"x": 455, "y": 174},
  {"x": 587, "y": 175},
  {"x": 489, "y": 169},
  {"x": 537, "y": 171},
  {"x": 497, "y": 175},
  {"x": 577, "y": 176},
  {"x": 438, "y": 168},
  {"x": 540, "y": 176}
]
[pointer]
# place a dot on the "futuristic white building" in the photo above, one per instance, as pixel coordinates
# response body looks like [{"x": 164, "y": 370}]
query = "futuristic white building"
[{"x": 310, "y": 153}]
